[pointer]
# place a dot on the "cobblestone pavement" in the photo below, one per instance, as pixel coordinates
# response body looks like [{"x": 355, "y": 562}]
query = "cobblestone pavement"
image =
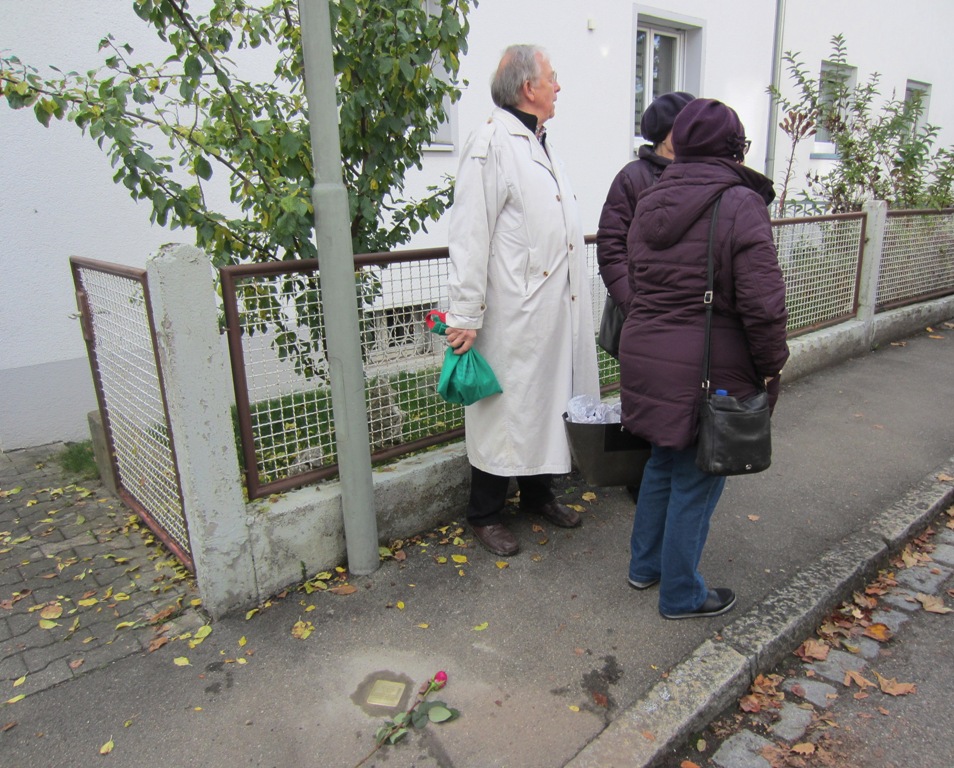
[
  {"x": 871, "y": 689},
  {"x": 82, "y": 582}
]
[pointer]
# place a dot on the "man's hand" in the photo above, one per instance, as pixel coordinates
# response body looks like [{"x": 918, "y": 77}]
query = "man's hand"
[{"x": 461, "y": 339}]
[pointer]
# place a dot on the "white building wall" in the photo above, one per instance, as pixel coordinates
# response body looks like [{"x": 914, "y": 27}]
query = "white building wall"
[{"x": 58, "y": 199}]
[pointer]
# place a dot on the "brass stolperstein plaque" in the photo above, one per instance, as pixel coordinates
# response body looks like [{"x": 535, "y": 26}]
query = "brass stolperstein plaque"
[{"x": 385, "y": 693}]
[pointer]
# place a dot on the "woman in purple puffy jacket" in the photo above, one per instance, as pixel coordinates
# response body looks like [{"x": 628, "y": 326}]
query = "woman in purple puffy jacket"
[{"x": 662, "y": 340}]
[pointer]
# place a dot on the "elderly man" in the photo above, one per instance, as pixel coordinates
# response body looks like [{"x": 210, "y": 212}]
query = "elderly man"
[{"x": 519, "y": 292}]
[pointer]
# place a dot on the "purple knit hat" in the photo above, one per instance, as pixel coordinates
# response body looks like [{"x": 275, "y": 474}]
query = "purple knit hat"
[
  {"x": 657, "y": 120},
  {"x": 708, "y": 128}
]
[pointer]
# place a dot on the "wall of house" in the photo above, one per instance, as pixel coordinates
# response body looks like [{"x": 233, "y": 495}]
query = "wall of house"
[{"x": 58, "y": 199}]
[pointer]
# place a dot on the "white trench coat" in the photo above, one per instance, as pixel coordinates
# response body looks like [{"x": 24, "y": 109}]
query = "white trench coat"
[{"x": 518, "y": 274}]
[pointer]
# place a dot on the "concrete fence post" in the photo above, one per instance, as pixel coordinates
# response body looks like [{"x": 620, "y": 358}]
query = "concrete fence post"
[
  {"x": 877, "y": 211},
  {"x": 198, "y": 389}
]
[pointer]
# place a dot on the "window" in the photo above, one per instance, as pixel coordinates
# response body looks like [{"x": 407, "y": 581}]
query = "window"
[
  {"x": 658, "y": 65},
  {"x": 917, "y": 98},
  {"x": 443, "y": 138},
  {"x": 667, "y": 57},
  {"x": 835, "y": 86}
]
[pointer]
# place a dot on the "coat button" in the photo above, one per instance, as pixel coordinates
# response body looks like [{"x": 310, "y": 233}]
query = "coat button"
[
  {"x": 558, "y": 198},
  {"x": 545, "y": 273},
  {"x": 572, "y": 298},
  {"x": 571, "y": 246}
]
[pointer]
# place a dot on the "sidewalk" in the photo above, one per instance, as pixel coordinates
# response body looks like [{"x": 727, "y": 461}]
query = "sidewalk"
[{"x": 552, "y": 660}]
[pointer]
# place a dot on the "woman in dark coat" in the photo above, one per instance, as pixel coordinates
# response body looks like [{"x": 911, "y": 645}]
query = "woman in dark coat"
[
  {"x": 662, "y": 340},
  {"x": 634, "y": 178}
]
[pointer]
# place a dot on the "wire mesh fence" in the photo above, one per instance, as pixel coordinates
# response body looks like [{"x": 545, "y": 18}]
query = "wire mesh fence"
[
  {"x": 917, "y": 258},
  {"x": 821, "y": 261},
  {"x": 114, "y": 306}
]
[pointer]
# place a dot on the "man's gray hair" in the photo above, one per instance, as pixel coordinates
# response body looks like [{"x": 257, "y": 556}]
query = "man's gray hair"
[{"x": 517, "y": 65}]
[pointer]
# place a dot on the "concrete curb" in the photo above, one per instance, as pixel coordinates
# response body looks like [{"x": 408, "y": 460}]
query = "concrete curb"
[{"x": 700, "y": 687}]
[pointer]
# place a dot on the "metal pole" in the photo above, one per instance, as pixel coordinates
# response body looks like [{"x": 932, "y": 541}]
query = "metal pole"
[
  {"x": 773, "y": 102},
  {"x": 338, "y": 295}
]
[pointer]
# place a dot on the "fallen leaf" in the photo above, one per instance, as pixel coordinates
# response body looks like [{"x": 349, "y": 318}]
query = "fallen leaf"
[
  {"x": 423, "y": 626},
  {"x": 15, "y": 699},
  {"x": 76, "y": 663},
  {"x": 688, "y": 764},
  {"x": 502, "y": 564},
  {"x": 754, "y": 518},
  {"x": 932, "y": 603},
  {"x": 481, "y": 627},
  {"x": 589, "y": 496},
  {"x": 935, "y": 336},
  {"x": 400, "y": 605},
  {"x": 879, "y": 632},
  {"x": 576, "y": 507},
  {"x": 302, "y": 629},
  {"x": 600, "y": 699},
  {"x": 945, "y": 478},
  {"x": 7, "y": 726},
  {"x": 107, "y": 747},
  {"x": 19, "y": 681},
  {"x": 242, "y": 641},
  {"x": 52, "y": 611},
  {"x": 47, "y": 624},
  {"x": 459, "y": 558},
  {"x": 813, "y": 649},
  {"x": 156, "y": 643},
  {"x": 805, "y": 748},
  {"x": 851, "y": 676},
  {"x": 251, "y": 613},
  {"x": 893, "y": 688},
  {"x": 181, "y": 661},
  {"x": 573, "y": 708},
  {"x": 344, "y": 589}
]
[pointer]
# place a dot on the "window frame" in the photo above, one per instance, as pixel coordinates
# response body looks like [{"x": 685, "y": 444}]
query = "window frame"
[{"x": 925, "y": 90}]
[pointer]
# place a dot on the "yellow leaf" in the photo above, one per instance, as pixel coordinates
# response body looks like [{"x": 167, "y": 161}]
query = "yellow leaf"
[
  {"x": 120, "y": 596},
  {"x": 576, "y": 507},
  {"x": 879, "y": 632},
  {"x": 251, "y": 613},
  {"x": 302, "y": 629},
  {"x": 441, "y": 559},
  {"x": 107, "y": 747},
  {"x": 195, "y": 602},
  {"x": 502, "y": 564},
  {"x": 15, "y": 699},
  {"x": 310, "y": 608},
  {"x": 47, "y": 624},
  {"x": 88, "y": 602},
  {"x": 242, "y": 641},
  {"x": 181, "y": 661},
  {"x": 203, "y": 632},
  {"x": 423, "y": 626},
  {"x": 589, "y": 496},
  {"x": 459, "y": 558},
  {"x": 400, "y": 605},
  {"x": 461, "y": 572},
  {"x": 125, "y": 624},
  {"x": 53, "y": 611},
  {"x": 197, "y": 709},
  {"x": 481, "y": 627},
  {"x": 240, "y": 660},
  {"x": 19, "y": 681},
  {"x": 573, "y": 708}
]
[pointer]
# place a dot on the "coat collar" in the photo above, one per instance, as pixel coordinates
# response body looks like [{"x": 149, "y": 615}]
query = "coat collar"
[{"x": 516, "y": 128}]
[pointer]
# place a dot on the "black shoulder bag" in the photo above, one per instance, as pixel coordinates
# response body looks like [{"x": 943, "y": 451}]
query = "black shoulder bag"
[{"x": 735, "y": 436}]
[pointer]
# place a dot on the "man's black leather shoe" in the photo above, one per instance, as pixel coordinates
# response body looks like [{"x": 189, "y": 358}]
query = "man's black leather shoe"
[
  {"x": 556, "y": 513},
  {"x": 497, "y": 538},
  {"x": 717, "y": 602}
]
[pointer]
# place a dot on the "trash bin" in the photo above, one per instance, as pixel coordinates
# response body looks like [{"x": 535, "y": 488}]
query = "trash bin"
[{"x": 606, "y": 454}]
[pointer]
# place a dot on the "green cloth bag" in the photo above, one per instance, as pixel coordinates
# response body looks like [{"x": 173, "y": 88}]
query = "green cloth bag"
[{"x": 465, "y": 378}]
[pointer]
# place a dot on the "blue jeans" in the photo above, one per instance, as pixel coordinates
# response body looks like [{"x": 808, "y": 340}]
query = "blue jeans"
[{"x": 675, "y": 504}]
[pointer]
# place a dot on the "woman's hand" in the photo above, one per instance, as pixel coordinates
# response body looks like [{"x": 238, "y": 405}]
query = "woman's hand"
[{"x": 461, "y": 339}]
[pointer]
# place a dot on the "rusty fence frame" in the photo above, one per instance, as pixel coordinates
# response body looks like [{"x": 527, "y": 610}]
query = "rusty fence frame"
[
  {"x": 250, "y": 465},
  {"x": 181, "y": 550},
  {"x": 855, "y": 303},
  {"x": 928, "y": 295}
]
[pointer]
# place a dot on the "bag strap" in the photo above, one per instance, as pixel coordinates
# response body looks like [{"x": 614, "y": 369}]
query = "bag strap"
[{"x": 707, "y": 298}]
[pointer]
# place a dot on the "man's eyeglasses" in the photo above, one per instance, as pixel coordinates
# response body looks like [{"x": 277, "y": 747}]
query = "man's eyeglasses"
[{"x": 747, "y": 146}]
